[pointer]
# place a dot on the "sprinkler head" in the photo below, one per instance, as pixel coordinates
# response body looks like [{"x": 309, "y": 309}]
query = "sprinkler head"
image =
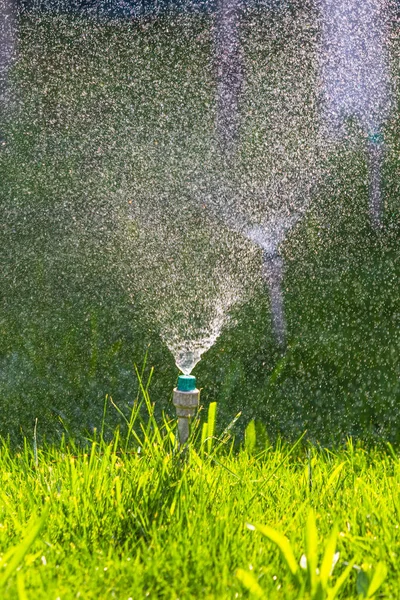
[
  {"x": 186, "y": 383},
  {"x": 376, "y": 138}
]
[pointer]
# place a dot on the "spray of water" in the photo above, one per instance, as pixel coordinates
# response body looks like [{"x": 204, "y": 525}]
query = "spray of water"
[
  {"x": 355, "y": 80},
  {"x": 196, "y": 220},
  {"x": 195, "y": 272},
  {"x": 188, "y": 352},
  {"x": 8, "y": 44},
  {"x": 354, "y": 60},
  {"x": 195, "y": 216}
]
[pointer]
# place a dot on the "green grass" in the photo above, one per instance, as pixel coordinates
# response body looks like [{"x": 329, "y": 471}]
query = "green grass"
[{"x": 136, "y": 517}]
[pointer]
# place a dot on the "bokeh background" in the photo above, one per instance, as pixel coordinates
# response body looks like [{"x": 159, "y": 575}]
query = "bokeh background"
[{"x": 110, "y": 111}]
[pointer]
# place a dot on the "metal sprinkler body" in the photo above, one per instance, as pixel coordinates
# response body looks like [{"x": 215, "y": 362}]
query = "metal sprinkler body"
[
  {"x": 186, "y": 400},
  {"x": 272, "y": 270}
]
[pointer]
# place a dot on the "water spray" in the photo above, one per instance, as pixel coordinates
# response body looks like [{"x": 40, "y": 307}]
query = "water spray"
[
  {"x": 375, "y": 162},
  {"x": 272, "y": 270},
  {"x": 186, "y": 400},
  {"x": 230, "y": 74},
  {"x": 356, "y": 75},
  {"x": 8, "y": 43}
]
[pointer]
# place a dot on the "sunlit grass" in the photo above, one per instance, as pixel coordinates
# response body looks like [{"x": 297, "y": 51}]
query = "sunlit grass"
[{"x": 138, "y": 517}]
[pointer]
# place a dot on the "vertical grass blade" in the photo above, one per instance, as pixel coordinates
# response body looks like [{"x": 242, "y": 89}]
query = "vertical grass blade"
[
  {"x": 328, "y": 558},
  {"x": 250, "y": 437},
  {"x": 18, "y": 553},
  {"x": 311, "y": 546},
  {"x": 212, "y": 412},
  {"x": 250, "y": 583},
  {"x": 22, "y": 595}
]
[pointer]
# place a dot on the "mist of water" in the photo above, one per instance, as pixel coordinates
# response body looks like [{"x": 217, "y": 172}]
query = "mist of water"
[
  {"x": 354, "y": 60},
  {"x": 188, "y": 352},
  {"x": 182, "y": 153},
  {"x": 8, "y": 49},
  {"x": 217, "y": 189},
  {"x": 356, "y": 81},
  {"x": 190, "y": 281}
]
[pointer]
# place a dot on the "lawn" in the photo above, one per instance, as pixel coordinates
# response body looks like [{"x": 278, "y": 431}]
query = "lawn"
[
  {"x": 110, "y": 123},
  {"x": 136, "y": 517}
]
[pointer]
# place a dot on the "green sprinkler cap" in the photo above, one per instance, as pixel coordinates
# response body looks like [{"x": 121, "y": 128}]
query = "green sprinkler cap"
[
  {"x": 376, "y": 137},
  {"x": 186, "y": 383}
]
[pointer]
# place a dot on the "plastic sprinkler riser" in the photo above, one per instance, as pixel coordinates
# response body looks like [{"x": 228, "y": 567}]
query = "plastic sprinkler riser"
[{"x": 186, "y": 400}]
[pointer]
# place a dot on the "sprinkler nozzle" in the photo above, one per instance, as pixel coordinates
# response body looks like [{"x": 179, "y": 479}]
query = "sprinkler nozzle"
[
  {"x": 186, "y": 401},
  {"x": 186, "y": 383},
  {"x": 376, "y": 138}
]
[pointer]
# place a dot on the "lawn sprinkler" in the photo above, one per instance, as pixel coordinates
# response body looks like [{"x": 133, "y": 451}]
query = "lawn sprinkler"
[
  {"x": 186, "y": 401},
  {"x": 272, "y": 270},
  {"x": 375, "y": 157}
]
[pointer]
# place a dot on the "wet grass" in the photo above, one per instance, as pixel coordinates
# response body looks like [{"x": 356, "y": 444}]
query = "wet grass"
[{"x": 136, "y": 517}]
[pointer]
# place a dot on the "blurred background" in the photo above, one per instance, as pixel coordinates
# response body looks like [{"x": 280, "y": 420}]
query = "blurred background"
[{"x": 108, "y": 127}]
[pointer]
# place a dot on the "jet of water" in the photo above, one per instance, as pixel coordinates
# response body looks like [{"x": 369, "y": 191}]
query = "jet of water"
[
  {"x": 265, "y": 199},
  {"x": 188, "y": 352},
  {"x": 355, "y": 78},
  {"x": 182, "y": 267}
]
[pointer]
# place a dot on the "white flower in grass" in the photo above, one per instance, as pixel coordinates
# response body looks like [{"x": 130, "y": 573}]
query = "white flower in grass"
[
  {"x": 335, "y": 560},
  {"x": 303, "y": 562}
]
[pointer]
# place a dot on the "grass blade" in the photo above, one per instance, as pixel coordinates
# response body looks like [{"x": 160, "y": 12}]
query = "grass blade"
[
  {"x": 327, "y": 560},
  {"x": 33, "y": 530},
  {"x": 283, "y": 544},
  {"x": 311, "y": 547},
  {"x": 250, "y": 583},
  {"x": 377, "y": 579},
  {"x": 211, "y": 417}
]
